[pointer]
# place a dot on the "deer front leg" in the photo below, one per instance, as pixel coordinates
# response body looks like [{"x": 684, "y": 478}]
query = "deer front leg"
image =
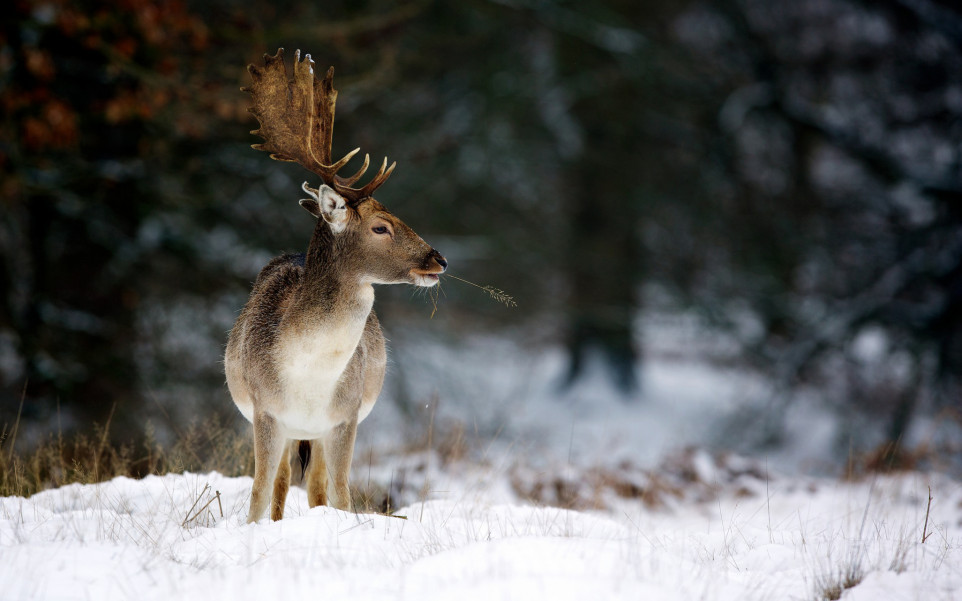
[
  {"x": 316, "y": 476},
  {"x": 282, "y": 483},
  {"x": 269, "y": 443},
  {"x": 339, "y": 450}
]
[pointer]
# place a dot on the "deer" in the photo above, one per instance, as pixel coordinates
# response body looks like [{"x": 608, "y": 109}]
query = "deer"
[{"x": 306, "y": 358}]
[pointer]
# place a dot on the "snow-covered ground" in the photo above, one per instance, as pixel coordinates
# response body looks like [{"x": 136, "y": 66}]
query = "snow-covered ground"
[
  {"x": 471, "y": 537},
  {"x": 662, "y": 511}
]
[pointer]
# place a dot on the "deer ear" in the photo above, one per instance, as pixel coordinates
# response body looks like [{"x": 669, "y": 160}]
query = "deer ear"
[
  {"x": 312, "y": 206},
  {"x": 326, "y": 204},
  {"x": 333, "y": 208}
]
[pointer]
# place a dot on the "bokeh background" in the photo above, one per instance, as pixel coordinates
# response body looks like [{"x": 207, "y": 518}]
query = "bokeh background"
[{"x": 770, "y": 189}]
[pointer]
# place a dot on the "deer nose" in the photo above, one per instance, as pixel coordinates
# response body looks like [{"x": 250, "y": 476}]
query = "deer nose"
[{"x": 439, "y": 259}]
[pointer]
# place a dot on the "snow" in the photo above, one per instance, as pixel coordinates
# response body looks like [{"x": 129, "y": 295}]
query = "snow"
[
  {"x": 788, "y": 538},
  {"x": 662, "y": 513}
]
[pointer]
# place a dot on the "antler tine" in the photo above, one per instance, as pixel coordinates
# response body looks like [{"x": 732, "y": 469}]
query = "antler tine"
[
  {"x": 331, "y": 170},
  {"x": 348, "y": 181},
  {"x": 380, "y": 178}
]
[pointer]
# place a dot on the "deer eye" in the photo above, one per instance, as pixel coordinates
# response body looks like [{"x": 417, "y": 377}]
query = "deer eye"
[{"x": 379, "y": 229}]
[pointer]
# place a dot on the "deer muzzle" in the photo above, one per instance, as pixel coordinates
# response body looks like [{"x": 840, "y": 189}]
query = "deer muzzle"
[{"x": 434, "y": 265}]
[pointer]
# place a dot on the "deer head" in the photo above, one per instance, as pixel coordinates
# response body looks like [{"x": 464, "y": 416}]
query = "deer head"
[{"x": 296, "y": 117}]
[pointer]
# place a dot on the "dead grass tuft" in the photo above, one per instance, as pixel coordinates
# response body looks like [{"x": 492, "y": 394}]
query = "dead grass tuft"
[
  {"x": 832, "y": 586},
  {"x": 889, "y": 458},
  {"x": 88, "y": 458},
  {"x": 692, "y": 474},
  {"x": 936, "y": 453}
]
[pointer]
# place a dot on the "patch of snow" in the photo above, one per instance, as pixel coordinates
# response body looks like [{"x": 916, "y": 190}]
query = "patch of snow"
[{"x": 155, "y": 539}]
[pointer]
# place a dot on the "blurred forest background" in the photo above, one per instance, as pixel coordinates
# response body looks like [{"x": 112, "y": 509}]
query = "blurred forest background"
[{"x": 785, "y": 173}]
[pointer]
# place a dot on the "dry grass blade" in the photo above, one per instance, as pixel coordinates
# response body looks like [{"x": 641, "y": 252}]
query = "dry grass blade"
[
  {"x": 925, "y": 527},
  {"x": 187, "y": 517},
  {"x": 197, "y": 514},
  {"x": 495, "y": 293},
  {"x": 16, "y": 424}
]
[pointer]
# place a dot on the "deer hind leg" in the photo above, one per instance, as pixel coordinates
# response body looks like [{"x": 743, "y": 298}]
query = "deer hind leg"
[
  {"x": 282, "y": 483},
  {"x": 316, "y": 476},
  {"x": 269, "y": 443},
  {"x": 339, "y": 450}
]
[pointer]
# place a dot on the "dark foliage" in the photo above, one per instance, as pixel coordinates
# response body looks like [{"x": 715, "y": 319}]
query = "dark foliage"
[{"x": 789, "y": 171}]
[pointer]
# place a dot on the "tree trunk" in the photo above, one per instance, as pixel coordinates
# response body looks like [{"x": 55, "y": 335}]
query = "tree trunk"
[{"x": 603, "y": 261}]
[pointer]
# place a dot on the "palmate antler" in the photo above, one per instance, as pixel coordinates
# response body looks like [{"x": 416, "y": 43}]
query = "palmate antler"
[{"x": 296, "y": 119}]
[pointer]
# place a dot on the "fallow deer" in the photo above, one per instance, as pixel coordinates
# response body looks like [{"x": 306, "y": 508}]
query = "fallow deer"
[{"x": 305, "y": 360}]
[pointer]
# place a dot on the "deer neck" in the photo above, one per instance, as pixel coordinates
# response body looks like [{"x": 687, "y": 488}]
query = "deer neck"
[{"x": 332, "y": 282}]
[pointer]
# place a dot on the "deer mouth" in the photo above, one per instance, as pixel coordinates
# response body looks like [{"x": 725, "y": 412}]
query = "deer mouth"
[{"x": 425, "y": 278}]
